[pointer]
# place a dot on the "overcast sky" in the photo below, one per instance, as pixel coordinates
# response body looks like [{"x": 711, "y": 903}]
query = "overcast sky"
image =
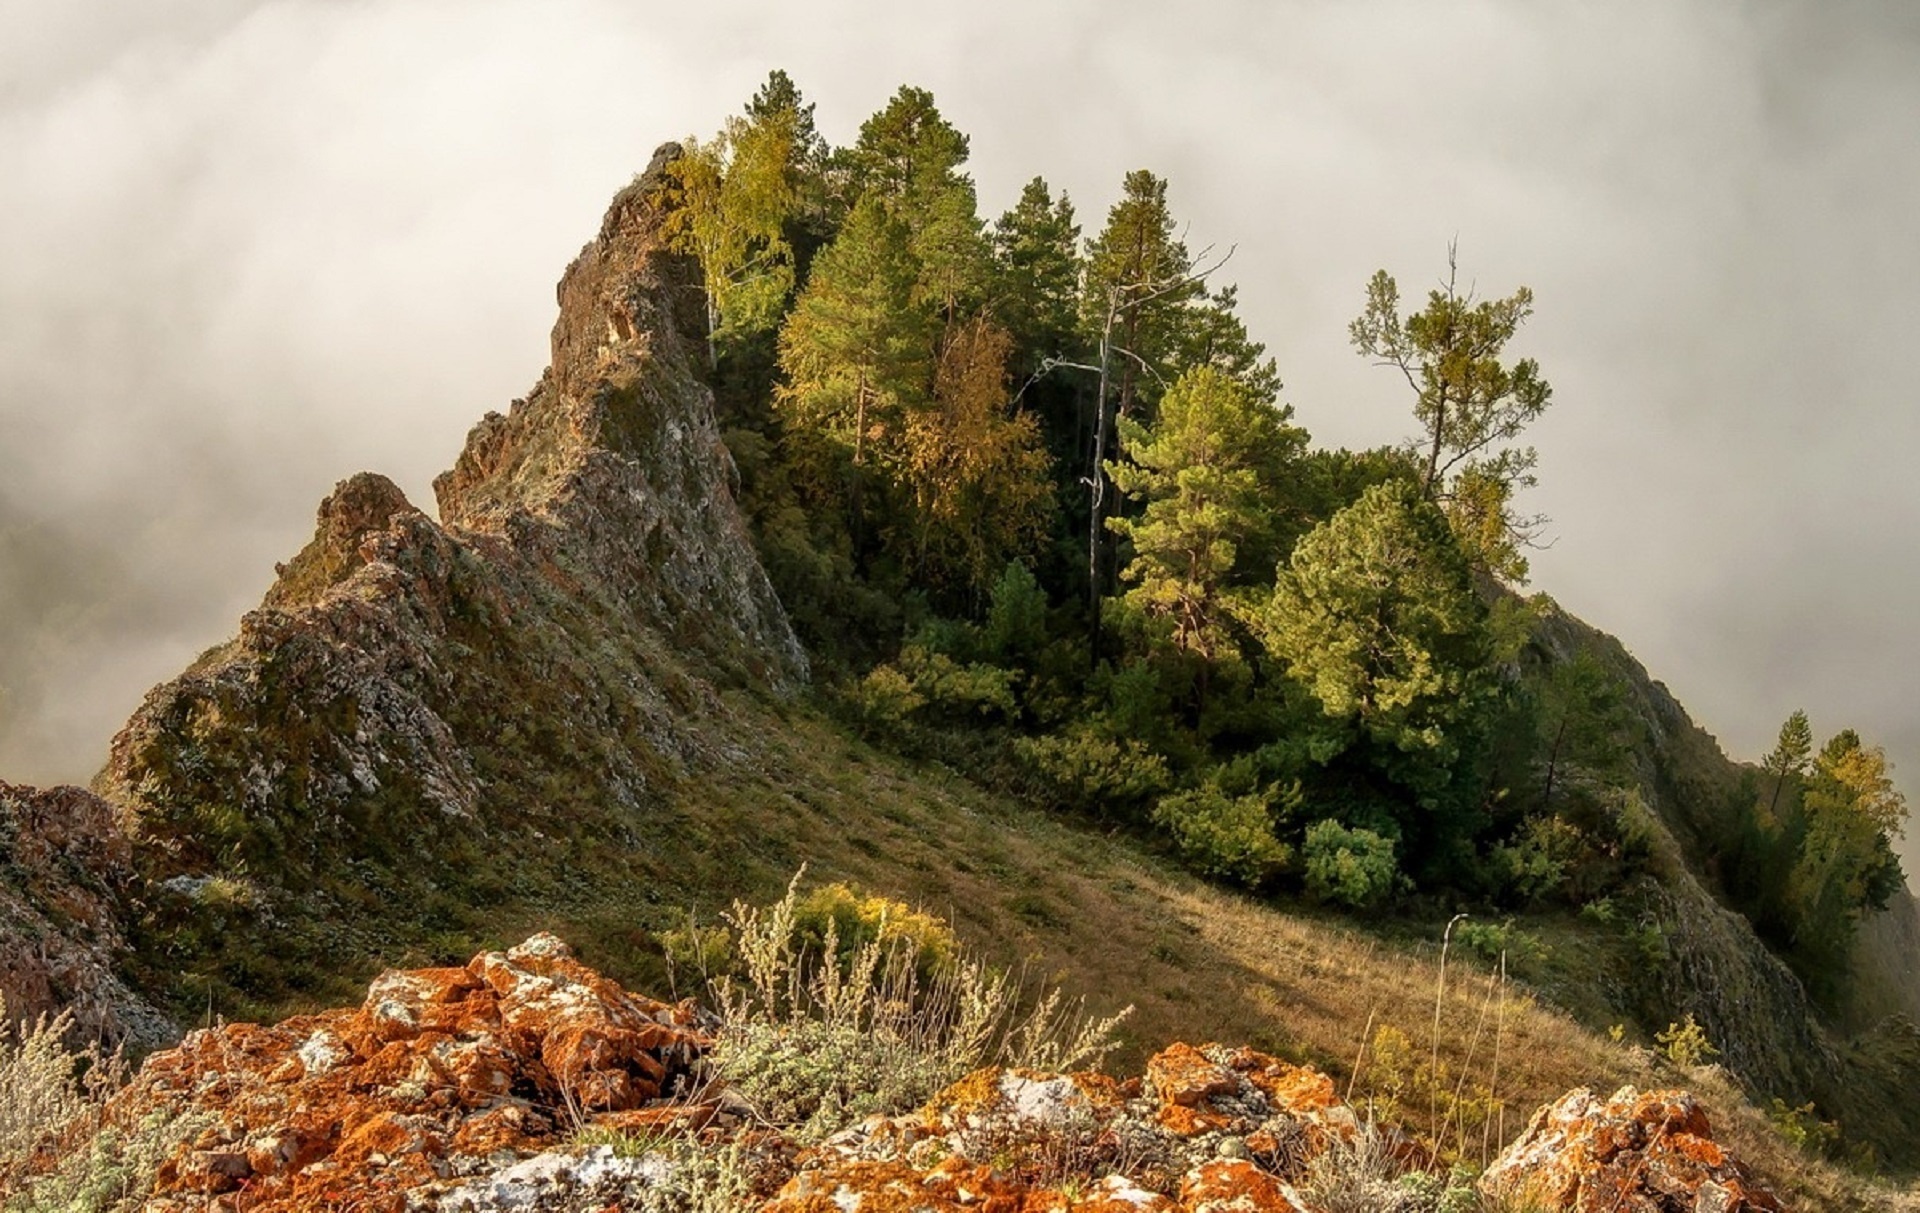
[{"x": 248, "y": 247}]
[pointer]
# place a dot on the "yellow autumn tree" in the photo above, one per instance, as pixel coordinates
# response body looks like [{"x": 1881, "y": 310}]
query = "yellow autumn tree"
[{"x": 974, "y": 465}]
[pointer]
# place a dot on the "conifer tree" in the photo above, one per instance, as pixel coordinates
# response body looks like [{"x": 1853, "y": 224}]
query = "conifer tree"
[
  {"x": 1469, "y": 405},
  {"x": 1198, "y": 470},
  {"x": 1790, "y": 755},
  {"x": 1376, "y": 615},
  {"x": 855, "y": 348},
  {"x": 910, "y": 157},
  {"x": 1036, "y": 249}
]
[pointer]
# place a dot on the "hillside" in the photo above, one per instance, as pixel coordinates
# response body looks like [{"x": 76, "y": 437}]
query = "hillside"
[{"x": 575, "y": 703}]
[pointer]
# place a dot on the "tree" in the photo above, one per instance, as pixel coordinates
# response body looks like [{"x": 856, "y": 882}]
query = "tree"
[
  {"x": 1790, "y": 755},
  {"x": 1583, "y": 720},
  {"x": 910, "y": 157},
  {"x": 1200, "y": 469},
  {"x": 977, "y": 471},
  {"x": 855, "y": 348},
  {"x": 1846, "y": 864},
  {"x": 1137, "y": 277},
  {"x": 1037, "y": 275},
  {"x": 1377, "y": 616},
  {"x": 1469, "y": 404},
  {"x": 734, "y": 197}
]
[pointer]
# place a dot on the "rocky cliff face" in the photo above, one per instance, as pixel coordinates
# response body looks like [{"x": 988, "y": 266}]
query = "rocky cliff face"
[
  {"x": 65, "y": 891},
  {"x": 412, "y": 692},
  {"x": 1714, "y": 967}
]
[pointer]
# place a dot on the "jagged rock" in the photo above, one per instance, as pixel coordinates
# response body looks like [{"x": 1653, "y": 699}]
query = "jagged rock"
[
  {"x": 63, "y": 887},
  {"x": 1631, "y": 1153},
  {"x": 438, "y": 1073},
  {"x": 411, "y": 692}
]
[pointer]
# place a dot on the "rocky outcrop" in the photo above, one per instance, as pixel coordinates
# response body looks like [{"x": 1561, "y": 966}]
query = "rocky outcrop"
[
  {"x": 440, "y": 1075},
  {"x": 413, "y": 693},
  {"x": 1630, "y": 1153},
  {"x": 64, "y": 887},
  {"x": 525, "y": 1080}
]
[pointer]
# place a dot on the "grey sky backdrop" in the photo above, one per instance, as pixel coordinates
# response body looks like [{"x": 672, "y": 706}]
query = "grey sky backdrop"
[{"x": 248, "y": 247}]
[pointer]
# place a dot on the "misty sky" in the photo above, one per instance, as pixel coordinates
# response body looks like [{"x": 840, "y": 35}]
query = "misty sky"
[{"x": 248, "y": 247}]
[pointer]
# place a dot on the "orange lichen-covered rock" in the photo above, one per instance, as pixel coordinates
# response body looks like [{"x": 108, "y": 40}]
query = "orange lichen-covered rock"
[
  {"x": 1235, "y": 1186},
  {"x": 1632, "y": 1153},
  {"x": 435, "y": 1075}
]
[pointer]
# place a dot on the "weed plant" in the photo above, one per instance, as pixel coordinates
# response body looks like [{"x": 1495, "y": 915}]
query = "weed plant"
[{"x": 820, "y": 1036}]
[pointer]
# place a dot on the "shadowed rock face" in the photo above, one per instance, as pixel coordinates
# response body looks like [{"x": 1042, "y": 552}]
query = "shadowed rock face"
[
  {"x": 64, "y": 887},
  {"x": 413, "y": 693}
]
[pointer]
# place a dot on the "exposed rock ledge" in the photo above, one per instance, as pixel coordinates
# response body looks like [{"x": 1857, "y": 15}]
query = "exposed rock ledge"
[{"x": 466, "y": 1089}]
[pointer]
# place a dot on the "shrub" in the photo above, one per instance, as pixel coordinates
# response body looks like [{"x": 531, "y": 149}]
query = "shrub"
[
  {"x": 1355, "y": 867},
  {"x": 975, "y": 691},
  {"x": 1225, "y": 836},
  {"x": 1685, "y": 1044},
  {"x": 1491, "y": 942},
  {"x": 1535, "y": 864},
  {"x": 816, "y": 1046},
  {"x": 1083, "y": 770},
  {"x": 855, "y": 920},
  {"x": 881, "y": 702},
  {"x": 1803, "y": 1128}
]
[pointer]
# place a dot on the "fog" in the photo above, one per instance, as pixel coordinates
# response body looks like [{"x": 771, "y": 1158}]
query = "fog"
[{"x": 247, "y": 249}]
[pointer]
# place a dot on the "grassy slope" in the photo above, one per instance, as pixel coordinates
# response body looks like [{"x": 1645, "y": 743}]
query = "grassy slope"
[{"x": 1105, "y": 919}]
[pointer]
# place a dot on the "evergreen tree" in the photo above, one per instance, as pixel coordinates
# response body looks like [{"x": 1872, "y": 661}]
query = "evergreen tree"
[
  {"x": 1211, "y": 333},
  {"x": 1377, "y": 616},
  {"x": 1846, "y": 864},
  {"x": 1036, "y": 251},
  {"x": 910, "y": 157},
  {"x": 1790, "y": 755},
  {"x": 1469, "y": 405},
  {"x": 855, "y": 350},
  {"x": 1200, "y": 469},
  {"x": 1139, "y": 278}
]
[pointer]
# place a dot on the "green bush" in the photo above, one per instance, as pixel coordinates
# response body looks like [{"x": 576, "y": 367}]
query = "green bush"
[
  {"x": 1685, "y": 1044},
  {"x": 1226, "y": 836},
  {"x": 1016, "y": 626},
  {"x": 1355, "y": 867},
  {"x": 881, "y": 702},
  {"x": 962, "y": 692},
  {"x": 1535, "y": 864},
  {"x": 1490, "y": 942},
  {"x": 1084, "y": 770}
]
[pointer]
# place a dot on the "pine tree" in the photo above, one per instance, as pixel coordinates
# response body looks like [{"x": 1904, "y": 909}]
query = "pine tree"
[
  {"x": 1036, "y": 249},
  {"x": 855, "y": 349},
  {"x": 909, "y": 157},
  {"x": 1790, "y": 755},
  {"x": 1198, "y": 469},
  {"x": 1469, "y": 405},
  {"x": 1377, "y": 616}
]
